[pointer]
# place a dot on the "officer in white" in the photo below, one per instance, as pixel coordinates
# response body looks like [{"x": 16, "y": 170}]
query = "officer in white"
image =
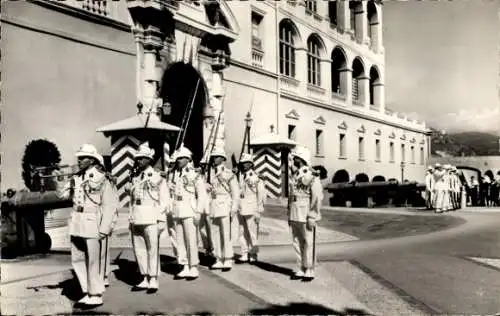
[
  {"x": 169, "y": 175},
  {"x": 94, "y": 206},
  {"x": 253, "y": 197},
  {"x": 149, "y": 205},
  {"x": 429, "y": 187},
  {"x": 304, "y": 204},
  {"x": 105, "y": 264},
  {"x": 224, "y": 203},
  {"x": 188, "y": 202}
]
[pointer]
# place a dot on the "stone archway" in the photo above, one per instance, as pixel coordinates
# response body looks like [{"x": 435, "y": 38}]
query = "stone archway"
[{"x": 179, "y": 88}]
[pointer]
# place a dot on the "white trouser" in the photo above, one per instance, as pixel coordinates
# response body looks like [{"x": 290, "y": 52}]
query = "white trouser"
[
  {"x": 205, "y": 233},
  {"x": 187, "y": 242},
  {"x": 105, "y": 265},
  {"x": 303, "y": 244},
  {"x": 85, "y": 259},
  {"x": 145, "y": 240},
  {"x": 172, "y": 233},
  {"x": 248, "y": 239},
  {"x": 221, "y": 230}
]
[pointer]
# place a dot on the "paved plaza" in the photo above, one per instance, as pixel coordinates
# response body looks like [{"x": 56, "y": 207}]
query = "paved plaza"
[{"x": 371, "y": 261}]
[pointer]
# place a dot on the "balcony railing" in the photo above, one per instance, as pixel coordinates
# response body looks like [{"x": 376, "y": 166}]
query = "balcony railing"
[
  {"x": 114, "y": 10},
  {"x": 100, "y": 7},
  {"x": 257, "y": 58}
]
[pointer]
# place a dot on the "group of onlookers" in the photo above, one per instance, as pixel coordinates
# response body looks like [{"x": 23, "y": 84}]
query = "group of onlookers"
[
  {"x": 448, "y": 189},
  {"x": 484, "y": 191}
]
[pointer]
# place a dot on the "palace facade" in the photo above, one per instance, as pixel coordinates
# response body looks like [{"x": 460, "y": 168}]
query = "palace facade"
[{"x": 310, "y": 71}]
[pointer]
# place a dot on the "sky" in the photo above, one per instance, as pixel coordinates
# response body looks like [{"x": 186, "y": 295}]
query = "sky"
[{"x": 442, "y": 62}]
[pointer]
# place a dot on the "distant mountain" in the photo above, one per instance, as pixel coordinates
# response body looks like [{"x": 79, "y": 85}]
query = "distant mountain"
[{"x": 464, "y": 144}]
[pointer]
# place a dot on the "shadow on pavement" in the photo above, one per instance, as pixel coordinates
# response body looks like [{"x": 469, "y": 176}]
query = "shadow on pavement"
[
  {"x": 273, "y": 268},
  {"x": 304, "y": 309},
  {"x": 70, "y": 288}
]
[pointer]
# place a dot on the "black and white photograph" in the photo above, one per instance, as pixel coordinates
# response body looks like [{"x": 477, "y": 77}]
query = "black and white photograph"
[{"x": 250, "y": 157}]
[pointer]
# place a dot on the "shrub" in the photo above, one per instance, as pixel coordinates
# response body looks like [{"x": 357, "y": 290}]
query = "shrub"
[{"x": 38, "y": 153}]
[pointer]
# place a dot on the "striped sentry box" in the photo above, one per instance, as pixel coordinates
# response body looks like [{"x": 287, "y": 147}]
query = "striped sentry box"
[
  {"x": 267, "y": 163},
  {"x": 122, "y": 161}
]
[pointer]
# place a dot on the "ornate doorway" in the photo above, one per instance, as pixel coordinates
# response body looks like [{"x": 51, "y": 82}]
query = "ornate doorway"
[{"x": 188, "y": 99}]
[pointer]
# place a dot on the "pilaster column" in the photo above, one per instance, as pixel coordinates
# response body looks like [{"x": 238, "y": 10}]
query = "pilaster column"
[
  {"x": 301, "y": 69},
  {"x": 377, "y": 33},
  {"x": 326, "y": 77},
  {"x": 139, "y": 40},
  {"x": 364, "y": 91},
  {"x": 346, "y": 84},
  {"x": 379, "y": 96},
  {"x": 361, "y": 23},
  {"x": 344, "y": 16}
]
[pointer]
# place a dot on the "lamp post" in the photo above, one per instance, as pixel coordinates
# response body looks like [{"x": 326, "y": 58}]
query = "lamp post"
[{"x": 402, "y": 165}]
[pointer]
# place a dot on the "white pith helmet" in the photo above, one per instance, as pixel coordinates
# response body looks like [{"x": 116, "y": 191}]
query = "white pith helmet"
[
  {"x": 302, "y": 153},
  {"x": 246, "y": 158},
  {"x": 88, "y": 150},
  {"x": 218, "y": 152},
  {"x": 183, "y": 152},
  {"x": 144, "y": 151}
]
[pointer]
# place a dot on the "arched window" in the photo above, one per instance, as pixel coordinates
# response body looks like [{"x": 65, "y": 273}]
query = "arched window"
[
  {"x": 313, "y": 61},
  {"x": 357, "y": 72},
  {"x": 287, "y": 49},
  {"x": 374, "y": 79},
  {"x": 338, "y": 64}
]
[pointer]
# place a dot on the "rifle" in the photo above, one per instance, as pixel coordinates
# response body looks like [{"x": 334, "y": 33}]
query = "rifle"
[{"x": 235, "y": 166}]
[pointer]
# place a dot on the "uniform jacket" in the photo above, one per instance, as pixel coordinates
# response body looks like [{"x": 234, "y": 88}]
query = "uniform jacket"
[
  {"x": 189, "y": 194},
  {"x": 439, "y": 180},
  {"x": 252, "y": 193},
  {"x": 95, "y": 204},
  {"x": 150, "y": 198},
  {"x": 224, "y": 192},
  {"x": 306, "y": 196}
]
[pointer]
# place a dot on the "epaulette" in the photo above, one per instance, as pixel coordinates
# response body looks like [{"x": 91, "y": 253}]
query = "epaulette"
[{"x": 163, "y": 174}]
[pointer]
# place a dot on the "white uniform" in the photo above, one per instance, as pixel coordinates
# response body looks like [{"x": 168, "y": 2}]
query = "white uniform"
[
  {"x": 306, "y": 194},
  {"x": 170, "y": 218},
  {"x": 150, "y": 200},
  {"x": 188, "y": 202},
  {"x": 440, "y": 190},
  {"x": 252, "y": 200},
  {"x": 95, "y": 204},
  {"x": 224, "y": 203},
  {"x": 105, "y": 265},
  {"x": 429, "y": 188}
]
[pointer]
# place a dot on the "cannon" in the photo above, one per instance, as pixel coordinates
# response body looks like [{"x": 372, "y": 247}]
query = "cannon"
[
  {"x": 379, "y": 192},
  {"x": 23, "y": 221}
]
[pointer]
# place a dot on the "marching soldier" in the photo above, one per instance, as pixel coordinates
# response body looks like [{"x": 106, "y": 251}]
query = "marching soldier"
[
  {"x": 224, "y": 203},
  {"x": 429, "y": 187},
  {"x": 440, "y": 189},
  {"x": 169, "y": 175},
  {"x": 204, "y": 226},
  {"x": 188, "y": 203},
  {"x": 304, "y": 204},
  {"x": 94, "y": 206},
  {"x": 105, "y": 264},
  {"x": 253, "y": 197},
  {"x": 149, "y": 203}
]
